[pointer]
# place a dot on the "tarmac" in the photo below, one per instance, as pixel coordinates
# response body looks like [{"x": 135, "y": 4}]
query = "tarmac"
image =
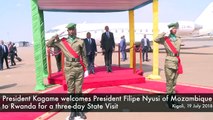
[{"x": 196, "y": 56}]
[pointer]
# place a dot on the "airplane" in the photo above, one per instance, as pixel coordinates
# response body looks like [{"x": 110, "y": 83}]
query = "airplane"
[{"x": 202, "y": 26}]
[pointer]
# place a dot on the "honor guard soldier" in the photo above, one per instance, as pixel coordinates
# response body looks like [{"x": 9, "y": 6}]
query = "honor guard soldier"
[
  {"x": 75, "y": 61},
  {"x": 173, "y": 65}
]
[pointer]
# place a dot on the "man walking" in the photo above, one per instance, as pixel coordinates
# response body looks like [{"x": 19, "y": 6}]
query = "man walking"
[
  {"x": 11, "y": 53},
  {"x": 1, "y": 57},
  {"x": 91, "y": 52},
  {"x": 123, "y": 48},
  {"x": 5, "y": 54},
  {"x": 108, "y": 46},
  {"x": 145, "y": 44}
]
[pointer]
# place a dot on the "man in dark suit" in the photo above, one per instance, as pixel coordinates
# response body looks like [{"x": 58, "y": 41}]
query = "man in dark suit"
[
  {"x": 11, "y": 53},
  {"x": 57, "y": 52},
  {"x": 108, "y": 46},
  {"x": 5, "y": 54},
  {"x": 1, "y": 57},
  {"x": 145, "y": 44},
  {"x": 123, "y": 48},
  {"x": 91, "y": 52}
]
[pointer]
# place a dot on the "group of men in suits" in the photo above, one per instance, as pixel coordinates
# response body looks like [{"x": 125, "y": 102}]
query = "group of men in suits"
[{"x": 107, "y": 45}]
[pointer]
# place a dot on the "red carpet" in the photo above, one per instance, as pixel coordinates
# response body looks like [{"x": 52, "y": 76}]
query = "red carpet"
[
  {"x": 103, "y": 82},
  {"x": 116, "y": 89},
  {"x": 20, "y": 115},
  {"x": 161, "y": 86},
  {"x": 28, "y": 115},
  {"x": 119, "y": 76}
]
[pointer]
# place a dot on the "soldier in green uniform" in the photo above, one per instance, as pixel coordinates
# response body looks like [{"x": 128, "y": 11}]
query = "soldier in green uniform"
[
  {"x": 172, "y": 61},
  {"x": 74, "y": 70}
]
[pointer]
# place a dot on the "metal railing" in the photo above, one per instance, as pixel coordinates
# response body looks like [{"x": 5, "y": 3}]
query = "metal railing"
[
  {"x": 49, "y": 53},
  {"x": 49, "y": 62},
  {"x": 134, "y": 62}
]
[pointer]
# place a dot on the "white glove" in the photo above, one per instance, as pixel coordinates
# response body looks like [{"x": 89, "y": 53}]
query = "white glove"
[
  {"x": 55, "y": 37},
  {"x": 86, "y": 73},
  {"x": 167, "y": 33}
]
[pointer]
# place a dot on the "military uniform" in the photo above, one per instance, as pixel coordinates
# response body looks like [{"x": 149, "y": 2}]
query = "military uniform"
[
  {"x": 73, "y": 69},
  {"x": 171, "y": 61}
]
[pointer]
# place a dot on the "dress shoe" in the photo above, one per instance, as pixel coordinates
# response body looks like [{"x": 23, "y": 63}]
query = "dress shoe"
[
  {"x": 169, "y": 104},
  {"x": 176, "y": 103},
  {"x": 72, "y": 116},
  {"x": 107, "y": 69},
  {"x": 82, "y": 115},
  {"x": 93, "y": 72},
  {"x": 110, "y": 69}
]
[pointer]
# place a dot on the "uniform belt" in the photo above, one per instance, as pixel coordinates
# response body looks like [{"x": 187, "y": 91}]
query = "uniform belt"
[
  {"x": 172, "y": 55},
  {"x": 73, "y": 59}
]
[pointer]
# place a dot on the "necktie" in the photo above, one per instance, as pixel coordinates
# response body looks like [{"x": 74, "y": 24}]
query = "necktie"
[
  {"x": 3, "y": 47},
  {"x": 108, "y": 35}
]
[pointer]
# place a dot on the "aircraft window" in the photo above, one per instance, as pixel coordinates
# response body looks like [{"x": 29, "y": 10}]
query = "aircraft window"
[
  {"x": 122, "y": 30},
  {"x": 116, "y": 30},
  {"x": 146, "y": 30},
  {"x": 140, "y": 30}
]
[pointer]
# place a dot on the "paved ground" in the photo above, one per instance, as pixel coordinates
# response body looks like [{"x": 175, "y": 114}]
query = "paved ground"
[{"x": 196, "y": 57}]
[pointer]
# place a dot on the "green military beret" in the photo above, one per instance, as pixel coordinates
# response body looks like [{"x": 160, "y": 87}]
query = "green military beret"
[
  {"x": 71, "y": 26},
  {"x": 173, "y": 25}
]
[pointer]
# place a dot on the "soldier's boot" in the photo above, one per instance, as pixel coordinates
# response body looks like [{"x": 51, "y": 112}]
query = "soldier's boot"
[
  {"x": 72, "y": 116},
  {"x": 82, "y": 115},
  {"x": 170, "y": 102},
  {"x": 176, "y": 102}
]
